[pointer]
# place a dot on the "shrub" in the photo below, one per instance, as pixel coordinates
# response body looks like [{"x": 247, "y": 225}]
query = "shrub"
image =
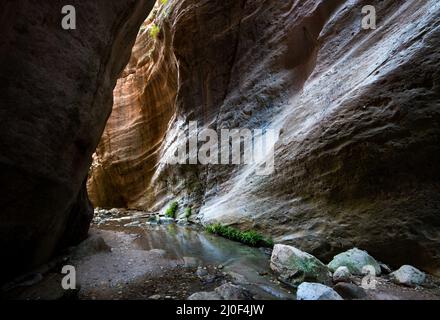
[
  {"x": 250, "y": 237},
  {"x": 171, "y": 210},
  {"x": 188, "y": 213},
  {"x": 154, "y": 31}
]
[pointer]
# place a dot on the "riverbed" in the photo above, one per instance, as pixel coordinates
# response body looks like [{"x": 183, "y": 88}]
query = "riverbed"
[{"x": 144, "y": 258}]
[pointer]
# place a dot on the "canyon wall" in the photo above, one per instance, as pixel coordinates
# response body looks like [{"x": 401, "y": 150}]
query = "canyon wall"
[
  {"x": 56, "y": 96},
  {"x": 357, "y": 112},
  {"x": 126, "y": 158}
]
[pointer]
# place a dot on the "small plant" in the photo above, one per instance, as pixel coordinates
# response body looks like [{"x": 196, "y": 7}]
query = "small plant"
[
  {"x": 187, "y": 213},
  {"x": 171, "y": 210},
  {"x": 154, "y": 31},
  {"x": 250, "y": 237},
  {"x": 164, "y": 2}
]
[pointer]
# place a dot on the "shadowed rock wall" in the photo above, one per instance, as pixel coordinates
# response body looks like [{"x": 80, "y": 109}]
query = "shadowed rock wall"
[{"x": 56, "y": 95}]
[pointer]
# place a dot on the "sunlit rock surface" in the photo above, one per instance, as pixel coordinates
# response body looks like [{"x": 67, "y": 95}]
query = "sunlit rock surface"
[
  {"x": 144, "y": 97},
  {"x": 357, "y": 111},
  {"x": 56, "y": 95}
]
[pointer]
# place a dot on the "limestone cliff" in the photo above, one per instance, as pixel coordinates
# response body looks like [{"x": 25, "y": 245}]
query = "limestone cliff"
[{"x": 357, "y": 111}]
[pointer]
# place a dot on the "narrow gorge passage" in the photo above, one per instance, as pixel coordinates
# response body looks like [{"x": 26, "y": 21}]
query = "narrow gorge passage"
[{"x": 220, "y": 150}]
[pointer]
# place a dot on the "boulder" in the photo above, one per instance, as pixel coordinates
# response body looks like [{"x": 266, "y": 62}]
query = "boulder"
[
  {"x": 229, "y": 291},
  {"x": 408, "y": 276},
  {"x": 205, "y": 296},
  {"x": 316, "y": 291},
  {"x": 342, "y": 274},
  {"x": 295, "y": 266},
  {"x": 205, "y": 276},
  {"x": 350, "y": 291},
  {"x": 355, "y": 260}
]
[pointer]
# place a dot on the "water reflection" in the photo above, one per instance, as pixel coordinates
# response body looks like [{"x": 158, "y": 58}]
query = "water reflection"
[{"x": 179, "y": 242}]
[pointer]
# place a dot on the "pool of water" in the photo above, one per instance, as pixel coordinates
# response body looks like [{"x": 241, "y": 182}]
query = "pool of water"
[{"x": 248, "y": 266}]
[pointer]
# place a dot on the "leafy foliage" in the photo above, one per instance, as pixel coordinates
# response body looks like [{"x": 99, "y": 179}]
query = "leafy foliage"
[
  {"x": 188, "y": 213},
  {"x": 154, "y": 31},
  {"x": 250, "y": 237},
  {"x": 171, "y": 210}
]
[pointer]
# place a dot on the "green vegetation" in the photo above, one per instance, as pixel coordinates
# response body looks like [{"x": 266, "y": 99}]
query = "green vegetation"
[
  {"x": 171, "y": 210},
  {"x": 154, "y": 31},
  {"x": 250, "y": 237},
  {"x": 164, "y": 2},
  {"x": 188, "y": 213}
]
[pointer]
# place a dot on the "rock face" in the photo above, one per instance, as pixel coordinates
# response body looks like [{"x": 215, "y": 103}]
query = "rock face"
[
  {"x": 295, "y": 266},
  {"x": 316, "y": 291},
  {"x": 56, "y": 95},
  {"x": 356, "y": 162},
  {"x": 124, "y": 164}
]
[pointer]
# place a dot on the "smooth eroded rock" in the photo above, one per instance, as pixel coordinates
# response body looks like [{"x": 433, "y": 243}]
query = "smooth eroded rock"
[
  {"x": 229, "y": 291},
  {"x": 294, "y": 266},
  {"x": 316, "y": 291},
  {"x": 56, "y": 95},
  {"x": 350, "y": 291},
  {"x": 205, "y": 296},
  {"x": 408, "y": 276},
  {"x": 355, "y": 260},
  {"x": 342, "y": 274}
]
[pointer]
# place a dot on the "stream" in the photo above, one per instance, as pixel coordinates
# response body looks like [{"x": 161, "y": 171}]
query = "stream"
[
  {"x": 245, "y": 266},
  {"x": 250, "y": 266}
]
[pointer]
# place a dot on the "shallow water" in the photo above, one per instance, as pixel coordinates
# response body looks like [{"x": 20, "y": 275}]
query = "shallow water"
[
  {"x": 182, "y": 241},
  {"x": 248, "y": 266}
]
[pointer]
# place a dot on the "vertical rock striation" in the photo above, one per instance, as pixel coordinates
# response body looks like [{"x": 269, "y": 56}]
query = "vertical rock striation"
[
  {"x": 56, "y": 95},
  {"x": 144, "y": 97},
  {"x": 357, "y": 111}
]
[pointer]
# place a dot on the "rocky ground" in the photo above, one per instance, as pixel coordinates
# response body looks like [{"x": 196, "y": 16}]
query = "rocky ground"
[
  {"x": 114, "y": 264},
  {"x": 353, "y": 274},
  {"x": 129, "y": 273}
]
